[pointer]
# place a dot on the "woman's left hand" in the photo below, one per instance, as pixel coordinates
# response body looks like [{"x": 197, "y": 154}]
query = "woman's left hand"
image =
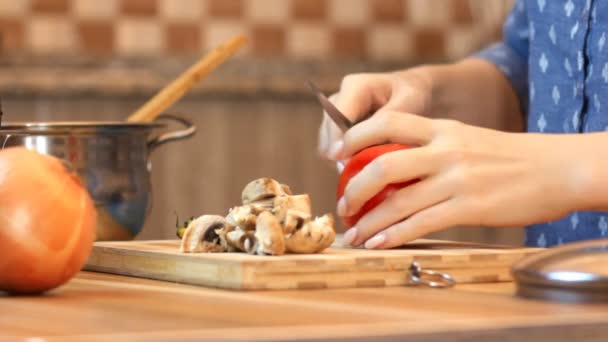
[{"x": 468, "y": 176}]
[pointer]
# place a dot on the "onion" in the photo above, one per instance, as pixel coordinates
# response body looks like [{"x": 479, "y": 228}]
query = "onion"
[{"x": 47, "y": 222}]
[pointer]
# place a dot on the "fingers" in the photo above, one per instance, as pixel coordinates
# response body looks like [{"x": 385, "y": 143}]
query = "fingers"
[
  {"x": 387, "y": 126},
  {"x": 363, "y": 94},
  {"x": 390, "y": 168},
  {"x": 440, "y": 216},
  {"x": 402, "y": 204},
  {"x": 359, "y": 96}
]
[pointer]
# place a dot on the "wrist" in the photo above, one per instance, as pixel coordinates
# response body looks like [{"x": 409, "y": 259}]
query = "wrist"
[{"x": 589, "y": 172}]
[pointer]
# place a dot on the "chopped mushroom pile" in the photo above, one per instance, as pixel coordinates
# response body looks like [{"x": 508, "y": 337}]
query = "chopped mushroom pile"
[{"x": 270, "y": 221}]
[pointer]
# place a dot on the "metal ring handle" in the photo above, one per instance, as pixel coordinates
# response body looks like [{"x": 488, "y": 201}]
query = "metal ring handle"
[
  {"x": 417, "y": 276},
  {"x": 171, "y": 136}
]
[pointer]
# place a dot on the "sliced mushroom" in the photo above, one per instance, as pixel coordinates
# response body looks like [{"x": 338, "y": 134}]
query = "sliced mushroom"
[
  {"x": 244, "y": 216},
  {"x": 299, "y": 203},
  {"x": 262, "y": 189},
  {"x": 223, "y": 234},
  {"x": 313, "y": 237},
  {"x": 294, "y": 219},
  {"x": 286, "y": 189},
  {"x": 269, "y": 236},
  {"x": 240, "y": 240},
  {"x": 203, "y": 235}
]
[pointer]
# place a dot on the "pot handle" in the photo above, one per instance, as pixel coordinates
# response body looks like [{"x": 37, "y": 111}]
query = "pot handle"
[{"x": 170, "y": 136}]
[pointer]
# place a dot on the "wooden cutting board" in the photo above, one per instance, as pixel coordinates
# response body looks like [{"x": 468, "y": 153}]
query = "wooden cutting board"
[{"x": 336, "y": 267}]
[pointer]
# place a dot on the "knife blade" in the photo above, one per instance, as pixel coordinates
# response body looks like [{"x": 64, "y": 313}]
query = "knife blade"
[{"x": 334, "y": 113}]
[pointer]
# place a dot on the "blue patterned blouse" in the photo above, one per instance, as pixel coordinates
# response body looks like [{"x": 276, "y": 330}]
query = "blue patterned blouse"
[{"x": 555, "y": 55}]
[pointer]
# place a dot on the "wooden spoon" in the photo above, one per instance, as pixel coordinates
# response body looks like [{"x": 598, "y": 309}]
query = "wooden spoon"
[{"x": 176, "y": 89}]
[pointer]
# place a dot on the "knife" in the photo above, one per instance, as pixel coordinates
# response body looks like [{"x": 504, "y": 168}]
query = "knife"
[{"x": 334, "y": 113}]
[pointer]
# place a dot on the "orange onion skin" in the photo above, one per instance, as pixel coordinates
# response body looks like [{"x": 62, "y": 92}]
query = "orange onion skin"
[{"x": 47, "y": 222}]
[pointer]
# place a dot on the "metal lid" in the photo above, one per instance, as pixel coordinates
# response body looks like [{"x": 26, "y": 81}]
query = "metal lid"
[
  {"x": 63, "y": 126},
  {"x": 78, "y": 124},
  {"x": 574, "y": 272}
]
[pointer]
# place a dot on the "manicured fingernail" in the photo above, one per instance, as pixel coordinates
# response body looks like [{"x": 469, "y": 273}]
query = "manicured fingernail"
[
  {"x": 376, "y": 241},
  {"x": 349, "y": 237},
  {"x": 340, "y": 166},
  {"x": 336, "y": 149},
  {"x": 342, "y": 208}
]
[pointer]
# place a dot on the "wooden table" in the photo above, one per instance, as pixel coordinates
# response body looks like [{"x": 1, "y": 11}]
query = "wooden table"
[{"x": 96, "y": 306}]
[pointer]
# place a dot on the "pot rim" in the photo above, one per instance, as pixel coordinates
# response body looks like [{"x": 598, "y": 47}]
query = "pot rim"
[{"x": 54, "y": 125}]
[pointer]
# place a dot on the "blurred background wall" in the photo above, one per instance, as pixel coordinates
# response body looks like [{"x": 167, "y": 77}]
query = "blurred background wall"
[{"x": 101, "y": 59}]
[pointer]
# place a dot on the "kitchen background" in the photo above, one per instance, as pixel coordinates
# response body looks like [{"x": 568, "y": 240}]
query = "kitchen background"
[{"x": 101, "y": 60}]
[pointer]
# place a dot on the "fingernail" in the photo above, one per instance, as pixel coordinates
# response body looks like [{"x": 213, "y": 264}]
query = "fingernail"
[
  {"x": 342, "y": 208},
  {"x": 376, "y": 241},
  {"x": 340, "y": 166},
  {"x": 349, "y": 237},
  {"x": 336, "y": 149}
]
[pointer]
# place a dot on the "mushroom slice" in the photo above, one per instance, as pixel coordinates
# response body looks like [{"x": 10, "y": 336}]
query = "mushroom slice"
[
  {"x": 299, "y": 203},
  {"x": 313, "y": 237},
  {"x": 240, "y": 240},
  {"x": 294, "y": 220},
  {"x": 286, "y": 189},
  {"x": 269, "y": 235},
  {"x": 223, "y": 234},
  {"x": 261, "y": 189},
  {"x": 244, "y": 216},
  {"x": 203, "y": 235}
]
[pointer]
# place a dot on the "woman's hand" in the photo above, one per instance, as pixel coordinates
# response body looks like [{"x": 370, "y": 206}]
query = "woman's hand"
[
  {"x": 468, "y": 176},
  {"x": 471, "y": 91},
  {"x": 361, "y": 95}
]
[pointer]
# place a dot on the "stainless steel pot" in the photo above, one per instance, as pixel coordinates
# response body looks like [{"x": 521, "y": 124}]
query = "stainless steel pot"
[{"x": 112, "y": 158}]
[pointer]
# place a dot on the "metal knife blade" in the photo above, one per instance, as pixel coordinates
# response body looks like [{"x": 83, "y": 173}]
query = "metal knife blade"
[{"x": 338, "y": 118}]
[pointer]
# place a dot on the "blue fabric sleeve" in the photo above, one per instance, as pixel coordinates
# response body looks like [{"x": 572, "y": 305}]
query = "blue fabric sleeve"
[{"x": 511, "y": 54}]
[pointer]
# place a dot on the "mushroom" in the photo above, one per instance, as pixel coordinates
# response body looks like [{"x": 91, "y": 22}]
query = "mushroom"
[
  {"x": 282, "y": 204},
  {"x": 269, "y": 236},
  {"x": 263, "y": 189},
  {"x": 313, "y": 237},
  {"x": 244, "y": 216},
  {"x": 203, "y": 235},
  {"x": 294, "y": 219},
  {"x": 240, "y": 240}
]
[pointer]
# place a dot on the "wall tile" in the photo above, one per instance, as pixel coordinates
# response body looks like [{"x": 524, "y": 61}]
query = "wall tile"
[
  {"x": 49, "y": 6},
  {"x": 309, "y": 9},
  {"x": 268, "y": 11},
  {"x": 143, "y": 8},
  {"x": 181, "y": 10},
  {"x": 95, "y": 9},
  {"x": 349, "y": 12},
  {"x": 429, "y": 42},
  {"x": 96, "y": 36},
  {"x": 12, "y": 8},
  {"x": 47, "y": 34},
  {"x": 374, "y": 29},
  {"x": 218, "y": 31},
  {"x": 138, "y": 36},
  {"x": 308, "y": 40},
  {"x": 11, "y": 35},
  {"x": 268, "y": 40},
  {"x": 183, "y": 38},
  {"x": 349, "y": 42},
  {"x": 225, "y": 8},
  {"x": 388, "y": 10},
  {"x": 390, "y": 42}
]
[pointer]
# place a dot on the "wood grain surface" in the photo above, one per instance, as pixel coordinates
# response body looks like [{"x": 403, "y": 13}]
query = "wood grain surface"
[
  {"x": 334, "y": 268},
  {"x": 105, "y": 307}
]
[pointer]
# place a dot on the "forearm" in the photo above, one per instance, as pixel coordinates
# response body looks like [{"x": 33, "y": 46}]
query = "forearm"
[
  {"x": 474, "y": 91},
  {"x": 586, "y": 153}
]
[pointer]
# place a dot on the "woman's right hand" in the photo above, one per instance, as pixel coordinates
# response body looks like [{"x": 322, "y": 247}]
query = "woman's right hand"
[{"x": 363, "y": 95}]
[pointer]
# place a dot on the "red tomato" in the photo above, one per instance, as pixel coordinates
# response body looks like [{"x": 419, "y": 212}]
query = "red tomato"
[
  {"x": 47, "y": 222},
  {"x": 358, "y": 162}
]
